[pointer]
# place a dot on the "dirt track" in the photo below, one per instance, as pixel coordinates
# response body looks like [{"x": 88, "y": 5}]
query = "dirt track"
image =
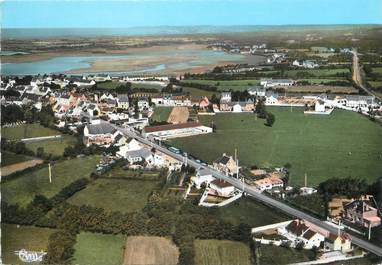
[
  {"x": 7, "y": 170},
  {"x": 178, "y": 115},
  {"x": 146, "y": 250}
]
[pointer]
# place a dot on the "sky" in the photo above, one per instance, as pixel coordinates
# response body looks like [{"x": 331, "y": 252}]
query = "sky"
[{"x": 143, "y": 13}]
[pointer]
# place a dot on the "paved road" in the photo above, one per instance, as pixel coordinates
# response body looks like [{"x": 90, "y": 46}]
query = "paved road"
[
  {"x": 255, "y": 193},
  {"x": 357, "y": 78}
]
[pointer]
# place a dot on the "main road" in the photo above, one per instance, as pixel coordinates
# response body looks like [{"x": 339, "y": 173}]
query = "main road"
[
  {"x": 357, "y": 78},
  {"x": 253, "y": 192}
]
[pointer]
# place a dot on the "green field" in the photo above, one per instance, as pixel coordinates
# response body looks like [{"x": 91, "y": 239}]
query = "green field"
[
  {"x": 221, "y": 252},
  {"x": 375, "y": 84},
  {"x": 55, "y": 146},
  {"x": 273, "y": 255},
  {"x": 15, "y": 238},
  {"x": 98, "y": 249},
  {"x": 27, "y": 131},
  {"x": 115, "y": 194},
  {"x": 113, "y": 84},
  {"x": 225, "y": 85},
  {"x": 317, "y": 72},
  {"x": 161, "y": 113},
  {"x": 198, "y": 93},
  {"x": 339, "y": 145},
  {"x": 119, "y": 172},
  {"x": 377, "y": 70},
  {"x": 23, "y": 188},
  {"x": 9, "y": 158},
  {"x": 248, "y": 211}
]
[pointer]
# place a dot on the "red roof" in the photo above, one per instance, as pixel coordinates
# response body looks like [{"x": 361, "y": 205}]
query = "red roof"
[
  {"x": 221, "y": 183},
  {"x": 172, "y": 127}
]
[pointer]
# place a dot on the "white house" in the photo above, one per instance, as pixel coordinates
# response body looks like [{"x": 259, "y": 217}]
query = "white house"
[
  {"x": 257, "y": 91},
  {"x": 298, "y": 231},
  {"x": 225, "y": 97},
  {"x": 237, "y": 108},
  {"x": 276, "y": 82},
  {"x": 130, "y": 145},
  {"x": 319, "y": 106},
  {"x": 143, "y": 104},
  {"x": 222, "y": 188},
  {"x": 271, "y": 98},
  {"x": 203, "y": 176}
]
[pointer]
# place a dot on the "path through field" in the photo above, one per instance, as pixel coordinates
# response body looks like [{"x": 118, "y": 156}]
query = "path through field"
[{"x": 7, "y": 170}]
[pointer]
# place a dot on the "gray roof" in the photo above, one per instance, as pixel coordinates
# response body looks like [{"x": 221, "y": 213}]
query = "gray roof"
[
  {"x": 144, "y": 153},
  {"x": 123, "y": 98},
  {"x": 102, "y": 128}
]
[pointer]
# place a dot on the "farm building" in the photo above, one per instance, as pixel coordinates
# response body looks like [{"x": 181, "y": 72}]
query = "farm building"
[{"x": 176, "y": 130}]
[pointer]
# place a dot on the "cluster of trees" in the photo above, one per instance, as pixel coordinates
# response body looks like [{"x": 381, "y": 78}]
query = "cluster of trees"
[
  {"x": 171, "y": 88},
  {"x": 352, "y": 187},
  {"x": 262, "y": 113},
  {"x": 15, "y": 147},
  {"x": 14, "y": 113}
]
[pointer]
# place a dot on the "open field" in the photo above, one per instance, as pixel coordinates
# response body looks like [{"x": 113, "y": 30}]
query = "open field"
[
  {"x": 27, "y": 131},
  {"x": 225, "y": 85},
  {"x": 375, "y": 84},
  {"x": 221, "y": 252},
  {"x": 248, "y": 211},
  {"x": 15, "y": 238},
  {"x": 23, "y": 188},
  {"x": 55, "y": 146},
  {"x": 115, "y": 194},
  {"x": 98, "y": 249},
  {"x": 196, "y": 93},
  {"x": 340, "y": 145},
  {"x": 377, "y": 70},
  {"x": 161, "y": 113},
  {"x": 272, "y": 255},
  {"x": 142, "y": 250},
  {"x": 318, "y": 72},
  {"x": 9, "y": 158},
  {"x": 178, "y": 115}
]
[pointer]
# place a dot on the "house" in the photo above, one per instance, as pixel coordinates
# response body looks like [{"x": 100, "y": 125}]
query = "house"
[
  {"x": 202, "y": 176},
  {"x": 123, "y": 102},
  {"x": 237, "y": 108},
  {"x": 222, "y": 188},
  {"x": 176, "y": 130},
  {"x": 140, "y": 155},
  {"x": 339, "y": 242},
  {"x": 271, "y": 98},
  {"x": 336, "y": 207},
  {"x": 92, "y": 110},
  {"x": 300, "y": 232},
  {"x": 319, "y": 106},
  {"x": 361, "y": 212},
  {"x": 99, "y": 133},
  {"x": 305, "y": 64},
  {"x": 129, "y": 145},
  {"x": 226, "y": 164},
  {"x": 257, "y": 91},
  {"x": 225, "y": 97},
  {"x": 204, "y": 103},
  {"x": 269, "y": 183}
]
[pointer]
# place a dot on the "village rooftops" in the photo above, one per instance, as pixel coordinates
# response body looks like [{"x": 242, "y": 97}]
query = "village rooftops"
[
  {"x": 101, "y": 128},
  {"x": 168, "y": 127}
]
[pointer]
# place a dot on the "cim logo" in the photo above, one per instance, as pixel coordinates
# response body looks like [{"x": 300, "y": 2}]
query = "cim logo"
[{"x": 30, "y": 256}]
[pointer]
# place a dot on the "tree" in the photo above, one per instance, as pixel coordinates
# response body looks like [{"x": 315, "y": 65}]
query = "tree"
[
  {"x": 40, "y": 151},
  {"x": 260, "y": 109},
  {"x": 270, "y": 119}
]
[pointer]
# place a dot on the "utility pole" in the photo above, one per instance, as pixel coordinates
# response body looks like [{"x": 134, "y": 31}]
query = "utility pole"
[
  {"x": 369, "y": 232},
  {"x": 306, "y": 180},
  {"x": 50, "y": 173}
]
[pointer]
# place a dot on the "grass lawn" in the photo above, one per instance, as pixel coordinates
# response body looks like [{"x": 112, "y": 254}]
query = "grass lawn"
[
  {"x": 9, "y": 158},
  {"x": 273, "y": 255},
  {"x": 221, "y": 252},
  {"x": 114, "y": 84},
  {"x": 55, "y": 146},
  {"x": 98, "y": 249},
  {"x": 27, "y": 131},
  {"x": 119, "y": 172},
  {"x": 375, "y": 84},
  {"x": 339, "y": 145},
  {"x": 116, "y": 194},
  {"x": 30, "y": 238},
  {"x": 23, "y": 188},
  {"x": 248, "y": 211},
  {"x": 161, "y": 113}
]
